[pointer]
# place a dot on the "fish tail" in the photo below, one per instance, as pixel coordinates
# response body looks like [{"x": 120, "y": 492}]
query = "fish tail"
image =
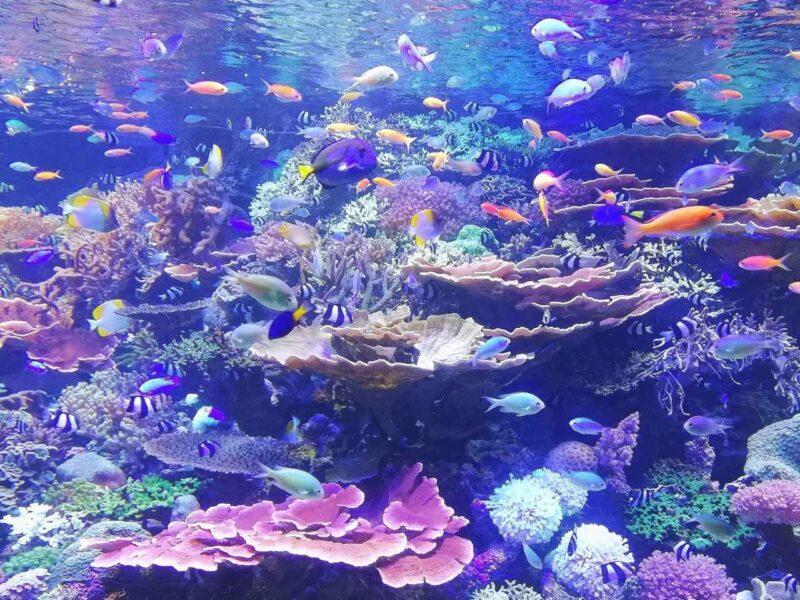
[
  {"x": 356, "y": 82},
  {"x": 269, "y": 87},
  {"x": 58, "y": 175},
  {"x": 93, "y": 324},
  {"x": 493, "y": 403},
  {"x": 736, "y": 165},
  {"x": 408, "y": 144},
  {"x": 782, "y": 262},
  {"x": 25, "y": 106},
  {"x": 188, "y": 86},
  {"x": 444, "y": 105},
  {"x": 560, "y": 179},
  {"x": 305, "y": 171},
  {"x": 633, "y": 231},
  {"x": 264, "y": 472}
]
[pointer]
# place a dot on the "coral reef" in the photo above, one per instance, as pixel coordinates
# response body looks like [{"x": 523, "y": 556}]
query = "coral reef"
[
  {"x": 614, "y": 451},
  {"x": 662, "y": 576},
  {"x": 772, "y": 452},
  {"x": 774, "y": 501}
]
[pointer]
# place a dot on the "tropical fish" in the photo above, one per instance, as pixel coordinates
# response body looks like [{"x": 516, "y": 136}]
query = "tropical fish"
[
  {"x": 702, "y": 426},
  {"x": 15, "y": 127},
  {"x": 265, "y": 289},
  {"x": 761, "y": 262},
  {"x": 16, "y": 102},
  {"x": 294, "y": 482},
  {"x": 207, "y": 448},
  {"x": 533, "y": 559},
  {"x": 144, "y": 405},
  {"x": 213, "y": 166},
  {"x": 490, "y": 348},
  {"x": 644, "y": 496},
  {"x": 39, "y": 257},
  {"x": 569, "y": 92},
  {"x": 681, "y": 117},
  {"x": 86, "y": 212},
  {"x": 616, "y": 573},
  {"x": 47, "y": 175},
  {"x": 554, "y": 30},
  {"x": 192, "y": 119},
  {"x": 605, "y": 171},
  {"x": 425, "y": 227},
  {"x": 572, "y": 543},
  {"x": 341, "y": 162},
  {"x": 158, "y": 385},
  {"x": 619, "y": 68},
  {"x": 395, "y": 137},
  {"x": 432, "y": 102},
  {"x": 587, "y": 480},
  {"x": 518, "y": 403},
  {"x": 790, "y": 582},
  {"x": 376, "y": 77},
  {"x": 704, "y": 177},
  {"x": 489, "y": 160},
  {"x": 348, "y": 97},
  {"x": 301, "y": 236},
  {"x": 743, "y": 345},
  {"x": 547, "y": 179},
  {"x": 414, "y": 57},
  {"x": 336, "y": 315},
  {"x": 206, "y": 88},
  {"x": 685, "y": 221},
  {"x": 292, "y": 434},
  {"x": 284, "y": 93},
  {"x": 714, "y": 526},
  {"x": 649, "y": 120},
  {"x": 165, "y": 426},
  {"x": 683, "y": 86},
  {"x": 247, "y": 334},
  {"x": 106, "y": 321},
  {"x": 22, "y": 167},
  {"x": 586, "y": 426},
  {"x": 283, "y": 324},
  {"x": 63, "y": 421},
  {"x": 683, "y": 550}
]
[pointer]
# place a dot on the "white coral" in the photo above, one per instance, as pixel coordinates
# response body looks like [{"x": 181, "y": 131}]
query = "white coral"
[
  {"x": 572, "y": 497},
  {"x": 511, "y": 590},
  {"x": 525, "y": 511},
  {"x": 41, "y": 522},
  {"x": 581, "y": 572}
]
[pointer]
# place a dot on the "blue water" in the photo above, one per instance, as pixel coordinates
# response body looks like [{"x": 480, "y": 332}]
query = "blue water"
[{"x": 303, "y": 344}]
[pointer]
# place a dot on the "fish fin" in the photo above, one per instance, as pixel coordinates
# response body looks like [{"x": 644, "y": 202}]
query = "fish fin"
[
  {"x": 736, "y": 166},
  {"x": 93, "y": 323},
  {"x": 419, "y": 241},
  {"x": 301, "y": 311},
  {"x": 427, "y": 59},
  {"x": 269, "y": 87},
  {"x": 356, "y": 83},
  {"x": 103, "y": 332},
  {"x": 782, "y": 262},
  {"x": 492, "y": 401},
  {"x": 264, "y": 472},
  {"x": 408, "y": 144},
  {"x": 72, "y": 221},
  {"x": 188, "y": 86},
  {"x": 306, "y": 171},
  {"x": 560, "y": 179},
  {"x": 633, "y": 231}
]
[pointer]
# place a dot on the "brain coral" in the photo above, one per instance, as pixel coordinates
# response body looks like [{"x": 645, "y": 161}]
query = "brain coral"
[
  {"x": 774, "y": 452},
  {"x": 571, "y": 456},
  {"x": 580, "y": 573},
  {"x": 663, "y": 577},
  {"x": 525, "y": 511},
  {"x": 775, "y": 501}
]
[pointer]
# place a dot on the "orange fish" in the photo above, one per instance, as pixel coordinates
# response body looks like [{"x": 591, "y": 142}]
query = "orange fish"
[
  {"x": 722, "y": 77},
  {"x": 761, "y": 262},
  {"x": 212, "y": 210},
  {"x": 138, "y": 114},
  {"x": 153, "y": 174},
  {"x": 16, "y": 102},
  {"x": 777, "y": 134},
  {"x": 283, "y": 93},
  {"x": 543, "y": 206},
  {"x": 509, "y": 214},
  {"x": 681, "y": 117},
  {"x": 558, "y": 136},
  {"x": 795, "y": 54},
  {"x": 607, "y": 196},
  {"x": 146, "y": 131},
  {"x": 117, "y": 152},
  {"x": 383, "y": 182},
  {"x": 362, "y": 185},
  {"x": 206, "y": 88},
  {"x": 683, "y": 86},
  {"x": 432, "y": 102},
  {"x": 726, "y": 95},
  {"x": 47, "y": 175},
  {"x": 688, "y": 220},
  {"x": 128, "y": 128},
  {"x": 120, "y": 115},
  {"x": 27, "y": 243},
  {"x": 81, "y": 129},
  {"x": 118, "y": 106},
  {"x": 795, "y": 287},
  {"x": 490, "y": 208}
]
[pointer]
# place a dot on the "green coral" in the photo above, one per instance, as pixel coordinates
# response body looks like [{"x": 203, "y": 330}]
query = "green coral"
[
  {"x": 133, "y": 500},
  {"x": 43, "y": 557},
  {"x": 664, "y": 516},
  {"x": 470, "y": 240}
]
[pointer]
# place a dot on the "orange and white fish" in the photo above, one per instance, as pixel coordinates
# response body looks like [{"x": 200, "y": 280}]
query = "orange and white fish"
[
  {"x": 490, "y": 208},
  {"x": 558, "y": 136},
  {"x": 139, "y": 114},
  {"x": 722, "y": 77},
  {"x": 341, "y": 128},
  {"x": 383, "y": 182},
  {"x": 681, "y": 117},
  {"x": 348, "y": 97},
  {"x": 649, "y": 120},
  {"x": 761, "y": 262},
  {"x": 395, "y": 137},
  {"x": 206, "y": 88},
  {"x": 128, "y": 128},
  {"x": 146, "y": 131},
  {"x": 726, "y": 95},
  {"x": 153, "y": 174},
  {"x": 544, "y": 207},
  {"x": 532, "y": 127},
  {"x": 118, "y": 152},
  {"x": 118, "y": 106},
  {"x": 212, "y": 210},
  {"x": 685, "y": 221},
  {"x": 362, "y": 185},
  {"x": 794, "y": 287},
  {"x": 47, "y": 175},
  {"x": 547, "y": 179},
  {"x": 81, "y": 129},
  {"x": 284, "y": 93},
  {"x": 683, "y": 86},
  {"x": 795, "y": 54},
  {"x": 605, "y": 171},
  {"x": 509, "y": 214},
  {"x": 16, "y": 101},
  {"x": 120, "y": 115},
  {"x": 432, "y": 102},
  {"x": 777, "y": 134}
]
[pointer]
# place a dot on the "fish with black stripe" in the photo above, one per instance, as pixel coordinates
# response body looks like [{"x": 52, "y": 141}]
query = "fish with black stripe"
[
  {"x": 337, "y": 315},
  {"x": 645, "y": 495},
  {"x": 472, "y": 107},
  {"x": 638, "y": 328},
  {"x": 207, "y": 448},
  {"x": 166, "y": 368},
  {"x": 792, "y": 157},
  {"x": 21, "y": 426},
  {"x": 475, "y": 127},
  {"x": 489, "y": 160},
  {"x": 683, "y": 550},
  {"x": 790, "y": 582},
  {"x": 165, "y": 426},
  {"x": 109, "y": 3},
  {"x": 172, "y": 293},
  {"x": 525, "y": 161},
  {"x": 450, "y": 115},
  {"x": 305, "y": 292},
  {"x": 723, "y": 329},
  {"x": 488, "y": 240},
  {"x": 616, "y": 573},
  {"x": 304, "y": 119},
  {"x": 678, "y": 331},
  {"x": 576, "y": 261},
  {"x": 572, "y": 544},
  {"x": 64, "y": 421},
  {"x": 142, "y": 404},
  {"x": 697, "y": 300}
]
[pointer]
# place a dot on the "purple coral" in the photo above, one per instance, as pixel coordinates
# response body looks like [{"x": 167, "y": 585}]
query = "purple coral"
[
  {"x": 614, "y": 452},
  {"x": 571, "y": 456},
  {"x": 775, "y": 501},
  {"x": 571, "y": 193},
  {"x": 450, "y": 202},
  {"x": 663, "y": 577},
  {"x": 271, "y": 246},
  {"x": 700, "y": 454}
]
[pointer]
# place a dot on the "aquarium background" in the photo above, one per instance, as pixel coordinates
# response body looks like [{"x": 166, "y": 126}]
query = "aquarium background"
[{"x": 399, "y": 337}]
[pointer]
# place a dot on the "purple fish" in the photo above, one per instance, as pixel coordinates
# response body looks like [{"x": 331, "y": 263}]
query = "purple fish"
[
  {"x": 241, "y": 225},
  {"x": 163, "y": 138},
  {"x": 608, "y": 214},
  {"x": 430, "y": 182},
  {"x": 153, "y": 48},
  {"x": 341, "y": 162},
  {"x": 216, "y": 414},
  {"x": 40, "y": 256},
  {"x": 704, "y": 177},
  {"x": 712, "y": 127},
  {"x": 268, "y": 163},
  {"x": 166, "y": 177},
  {"x": 727, "y": 280}
]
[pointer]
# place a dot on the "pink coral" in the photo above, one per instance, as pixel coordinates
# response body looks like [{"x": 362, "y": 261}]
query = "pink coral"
[
  {"x": 450, "y": 202},
  {"x": 774, "y": 501},
  {"x": 571, "y": 456},
  {"x": 68, "y": 350},
  {"x": 271, "y": 246},
  {"x": 663, "y": 577},
  {"x": 410, "y": 540},
  {"x": 614, "y": 451}
]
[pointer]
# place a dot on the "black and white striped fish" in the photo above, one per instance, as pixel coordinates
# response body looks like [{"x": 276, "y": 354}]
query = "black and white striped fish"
[
  {"x": 616, "y": 573},
  {"x": 21, "y": 426},
  {"x": 475, "y": 127},
  {"x": 109, "y": 137},
  {"x": 109, "y": 3},
  {"x": 450, "y": 115},
  {"x": 680, "y": 330},
  {"x": 723, "y": 329},
  {"x": 305, "y": 292},
  {"x": 172, "y": 293},
  {"x": 525, "y": 161},
  {"x": 63, "y": 421},
  {"x": 337, "y": 315},
  {"x": 201, "y": 148},
  {"x": 637, "y": 327},
  {"x": 6, "y": 187},
  {"x": 207, "y": 448},
  {"x": 142, "y": 404},
  {"x": 304, "y": 118},
  {"x": 683, "y": 550},
  {"x": 107, "y": 180},
  {"x": 790, "y": 582},
  {"x": 166, "y": 368},
  {"x": 572, "y": 544},
  {"x": 429, "y": 291},
  {"x": 576, "y": 261},
  {"x": 489, "y": 160},
  {"x": 472, "y": 107},
  {"x": 792, "y": 157},
  {"x": 698, "y": 300},
  {"x": 488, "y": 240},
  {"x": 165, "y": 426},
  {"x": 644, "y": 495}
]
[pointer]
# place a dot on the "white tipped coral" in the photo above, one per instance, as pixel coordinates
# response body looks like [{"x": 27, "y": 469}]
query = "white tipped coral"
[
  {"x": 511, "y": 590},
  {"x": 525, "y": 511},
  {"x": 572, "y": 497}
]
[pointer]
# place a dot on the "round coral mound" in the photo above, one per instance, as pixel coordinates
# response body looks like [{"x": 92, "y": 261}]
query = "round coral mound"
[
  {"x": 525, "y": 511},
  {"x": 663, "y": 577},
  {"x": 774, "y": 501},
  {"x": 571, "y": 456}
]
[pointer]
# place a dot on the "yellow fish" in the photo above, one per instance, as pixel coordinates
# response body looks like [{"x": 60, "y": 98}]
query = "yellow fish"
[
  {"x": 383, "y": 182},
  {"x": 395, "y": 137},
  {"x": 16, "y": 102},
  {"x": 302, "y": 237},
  {"x": 425, "y": 226},
  {"x": 47, "y": 175},
  {"x": 439, "y": 159},
  {"x": 544, "y": 208},
  {"x": 795, "y": 54},
  {"x": 350, "y": 97},
  {"x": 340, "y": 128},
  {"x": 608, "y": 196},
  {"x": 533, "y": 128},
  {"x": 605, "y": 171},
  {"x": 432, "y": 102},
  {"x": 681, "y": 117}
]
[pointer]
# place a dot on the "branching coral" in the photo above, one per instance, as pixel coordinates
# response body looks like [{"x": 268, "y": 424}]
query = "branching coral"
[
  {"x": 27, "y": 464},
  {"x": 18, "y": 224},
  {"x": 510, "y": 590},
  {"x": 41, "y": 522}
]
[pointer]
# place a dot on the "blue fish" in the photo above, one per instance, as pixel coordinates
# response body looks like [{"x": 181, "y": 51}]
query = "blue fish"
[
  {"x": 430, "y": 182},
  {"x": 193, "y": 119},
  {"x": 268, "y": 163},
  {"x": 608, "y": 214},
  {"x": 159, "y": 385},
  {"x": 341, "y": 162},
  {"x": 490, "y": 348},
  {"x": 40, "y": 256},
  {"x": 234, "y": 88},
  {"x": 241, "y": 225},
  {"x": 162, "y": 138}
]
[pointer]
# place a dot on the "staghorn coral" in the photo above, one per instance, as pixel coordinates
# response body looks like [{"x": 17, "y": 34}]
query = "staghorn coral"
[
  {"x": 20, "y": 223},
  {"x": 662, "y": 576},
  {"x": 43, "y": 523},
  {"x": 510, "y": 590}
]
